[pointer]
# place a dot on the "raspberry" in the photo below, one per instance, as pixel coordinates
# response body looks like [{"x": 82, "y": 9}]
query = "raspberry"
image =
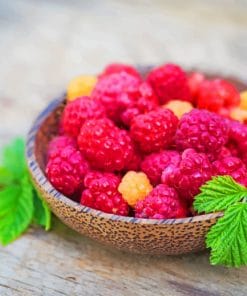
[
  {"x": 218, "y": 95},
  {"x": 118, "y": 68},
  {"x": 58, "y": 143},
  {"x": 76, "y": 112},
  {"x": 80, "y": 86},
  {"x": 243, "y": 100},
  {"x": 101, "y": 193},
  {"x": 194, "y": 80},
  {"x": 170, "y": 83},
  {"x": 154, "y": 130},
  {"x": 203, "y": 131},
  {"x": 232, "y": 166},
  {"x": 66, "y": 171},
  {"x": 116, "y": 92},
  {"x": 135, "y": 161},
  {"x": 161, "y": 203},
  {"x": 225, "y": 152},
  {"x": 237, "y": 142},
  {"x": 134, "y": 187},
  {"x": 179, "y": 108},
  {"x": 239, "y": 114},
  {"x": 104, "y": 145},
  {"x": 146, "y": 101},
  {"x": 193, "y": 170},
  {"x": 154, "y": 164}
]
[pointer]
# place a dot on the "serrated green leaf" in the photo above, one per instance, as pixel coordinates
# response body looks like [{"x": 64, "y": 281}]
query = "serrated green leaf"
[
  {"x": 6, "y": 177},
  {"x": 14, "y": 158},
  {"x": 15, "y": 221},
  {"x": 42, "y": 213},
  {"x": 228, "y": 237},
  {"x": 218, "y": 194},
  {"x": 8, "y": 196}
]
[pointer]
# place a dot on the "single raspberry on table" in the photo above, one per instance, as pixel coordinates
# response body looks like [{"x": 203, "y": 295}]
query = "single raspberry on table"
[
  {"x": 118, "y": 68},
  {"x": 203, "y": 131},
  {"x": 134, "y": 186},
  {"x": 57, "y": 144},
  {"x": 179, "y": 108},
  {"x": 66, "y": 170},
  {"x": 161, "y": 203},
  {"x": 80, "y": 86},
  {"x": 154, "y": 130},
  {"x": 116, "y": 92},
  {"x": 76, "y": 112},
  {"x": 194, "y": 80},
  {"x": 218, "y": 95},
  {"x": 193, "y": 170},
  {"x": 154, "y": 164},
  {"x": 105, "y": 146},
  {"x": 101, "y": 193},
  {"x": 232, "y": 166},
  {"x": 170, "y": 83}
]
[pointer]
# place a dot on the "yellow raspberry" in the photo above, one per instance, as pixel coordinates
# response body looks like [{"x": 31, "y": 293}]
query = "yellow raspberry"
[
  {"x": 179, "y": 107},
  {"x": 243, "y": 100},
  {"x": 239, "y": 114},
  {"x": 134, "y": 187},
  {"x": 80, "y": 86}
]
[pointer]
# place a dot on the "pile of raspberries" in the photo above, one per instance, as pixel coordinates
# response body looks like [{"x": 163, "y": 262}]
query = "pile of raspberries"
[{"x": 143, "y": 146}]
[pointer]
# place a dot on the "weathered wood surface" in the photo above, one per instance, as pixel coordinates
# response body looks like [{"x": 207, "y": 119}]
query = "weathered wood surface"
[{"x": 45, "y": 43}]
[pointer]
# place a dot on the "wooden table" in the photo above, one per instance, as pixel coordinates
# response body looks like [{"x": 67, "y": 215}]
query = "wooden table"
[{"x": 44, "y": 44}]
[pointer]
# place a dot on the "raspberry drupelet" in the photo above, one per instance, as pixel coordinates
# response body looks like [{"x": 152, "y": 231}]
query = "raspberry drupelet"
[
  {"x": 101, "y": 193},
  {"x": 161, "y": 203}
]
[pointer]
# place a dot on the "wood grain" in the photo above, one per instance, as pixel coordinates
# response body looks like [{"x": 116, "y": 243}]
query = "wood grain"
[{"x": 44, "y": 44}]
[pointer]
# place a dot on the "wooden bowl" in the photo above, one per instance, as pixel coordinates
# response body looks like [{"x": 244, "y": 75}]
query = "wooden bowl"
[{"x": 147, "y": 236}]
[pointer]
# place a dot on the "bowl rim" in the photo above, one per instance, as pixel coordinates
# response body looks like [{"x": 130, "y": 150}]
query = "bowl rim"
[{"x": 41, "y": 180}]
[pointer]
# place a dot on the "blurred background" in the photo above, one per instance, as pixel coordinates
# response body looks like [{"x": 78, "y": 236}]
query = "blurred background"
[{"x": 45, "y": 43}]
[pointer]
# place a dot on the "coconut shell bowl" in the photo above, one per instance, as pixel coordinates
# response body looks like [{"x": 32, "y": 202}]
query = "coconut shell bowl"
[{"x": 146, "y": 236}]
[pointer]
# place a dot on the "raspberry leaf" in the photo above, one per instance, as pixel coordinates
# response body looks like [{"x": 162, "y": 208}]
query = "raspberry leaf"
[
  {"x": 5, "y": 177},
  {"x": 218, "y": 194},
  {"x": 18, "y": 214},
  {"x": 14, "y": 159},
  {"x": 228, "y": 237},
  {"x": 42, "y": 213}
]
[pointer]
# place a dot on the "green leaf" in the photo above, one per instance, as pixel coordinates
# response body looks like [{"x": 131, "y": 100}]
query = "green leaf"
[
  {"x": 228, "y": 237},
  {"x": 15, "y": 221},
  {"x": 14, "y": 158},
  {"x": 8, "y": 197},
  {"x": 218, "y": 194},
  {"x": 42, "y": 213},
  {"x": 6, "y": 177}
]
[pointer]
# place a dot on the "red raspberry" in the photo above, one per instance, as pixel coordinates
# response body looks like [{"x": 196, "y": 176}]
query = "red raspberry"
[
  {"x": 58, "y": 143},
  {"x": 76, "y": 112},
  {"x": 66, "y": 171},
  {"x": 203, "y": 131},
  {"x": 232, "y": 166},
  {"x": 146, "y": 101},
  {"x": 218, "y": 95},
  {"x": 170, "y": 83},
  {"x": 104, "y": 145},
  {"x": 154, "y": 130},
  {"x": 193, "y": 170},
  {"x": 154, "y": 164},
  {"x": 194, "y": 80},
  {"x": 161, "y": 203},
  {"x": 135, "y": 162},
  {"x": 118, "y": 68},
  {"x": 101, "y": 193},
  {"x": 225, "y": 152},
  {"x": 116, "y": 92}
]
